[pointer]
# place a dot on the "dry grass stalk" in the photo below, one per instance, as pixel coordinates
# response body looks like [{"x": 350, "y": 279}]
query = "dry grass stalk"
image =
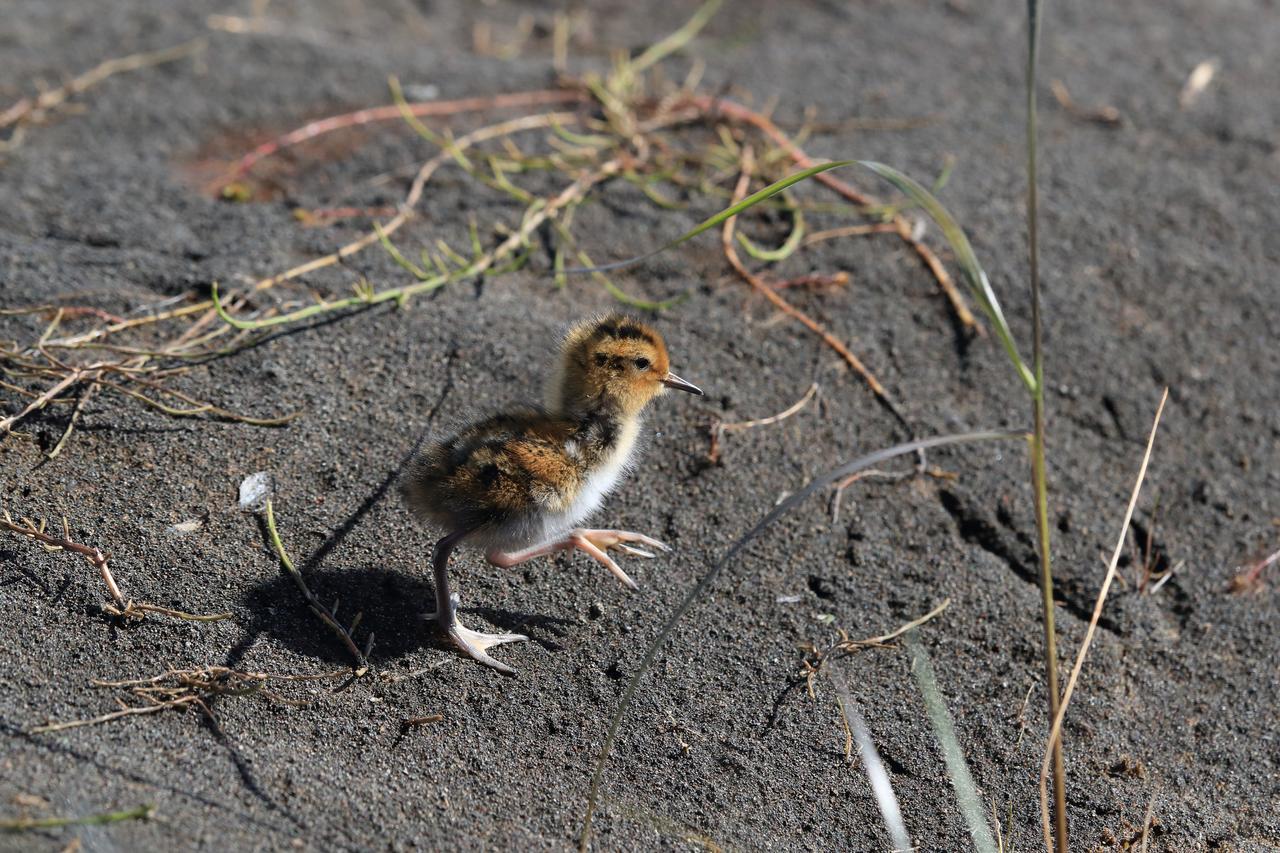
[
  {"x": 30, "y": 110},
  {"x": 817, "y": 658},
  {"x": 125, "y": 609},
  {"x": 392, "y": 112},
  {"x": 1055, "y": 732},
  {"x": 774, "y": 298},
  {"x": 326, "y": 615},
  {"x": 718, "y": 429},
  {"x": 190, "y": 688}
]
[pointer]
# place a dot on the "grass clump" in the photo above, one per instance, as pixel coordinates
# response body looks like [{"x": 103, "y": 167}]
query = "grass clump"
[{"x": 1031, "y": 378}]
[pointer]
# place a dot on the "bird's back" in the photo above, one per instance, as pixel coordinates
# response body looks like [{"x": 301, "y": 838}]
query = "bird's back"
[{"x": 511, "y": 479}]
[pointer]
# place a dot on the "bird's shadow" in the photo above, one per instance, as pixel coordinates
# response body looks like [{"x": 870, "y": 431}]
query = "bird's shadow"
[{"x": 391, "y": 605}]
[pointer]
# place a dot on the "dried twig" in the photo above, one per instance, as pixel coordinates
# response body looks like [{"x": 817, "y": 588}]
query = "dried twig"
[
  {"x": 48, "y": 396},
  {"x": 312, "y": 130},
  {"x": 718, "y": 429},
  {"x": 888, "y": 476},
  {"x": 75, "y": 415},
  {"x": 812, "y": 665},
  {"x": 731, "y": 254},
  {"x": 1146, "y": 824},
  {"x": 190, "y": 688},
  {"x": 849, "y": 231},
  {"x": 96, "y": 558},
  {"x": 814, "y": 281},
  {"x": 115, "y": 715},
  {"x": 1055, "y": 732},
  {"x": 29, "y": 109},
  {"x": 870, "y": 474}
]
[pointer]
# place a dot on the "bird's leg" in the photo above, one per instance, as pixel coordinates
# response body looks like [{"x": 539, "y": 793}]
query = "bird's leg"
[
  {"x": 474, "y": 643},
  {"x": 593, "y": 543}
]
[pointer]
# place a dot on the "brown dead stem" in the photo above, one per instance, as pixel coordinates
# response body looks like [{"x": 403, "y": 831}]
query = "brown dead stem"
[
  {"x": 95, "y": 557},
  {"x": 187, "y": 688},
  {"x": 814, "y": 282},
  {"x": 718, "y": 428},
  {"x": 739, "y": 113},
  {"x": 731, "y": 254},
  {"x": 816, "y": 658},
  {"x": 28, "y": 110},
  {"x": 1055, "y": 731},
  {"x": 428, "y": 109}
]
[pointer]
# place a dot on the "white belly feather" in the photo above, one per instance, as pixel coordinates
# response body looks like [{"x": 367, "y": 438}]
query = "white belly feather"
[
  {"x": 600, "y": 482},
  {"x": 606, "y": 475}
]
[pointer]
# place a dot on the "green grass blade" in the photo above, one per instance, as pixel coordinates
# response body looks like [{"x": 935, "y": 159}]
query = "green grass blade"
[
  {"x": 413, "y": 269},
  {"x": 712, "y": 221},
  {"x": 969, "y": 266},
  {"x": 788, "y": 246},
  {"x": 704, "y": 583},
  {"x": 31, "y": 824},
  {"x": 965, "y": 257},
  {"x": 952, "y": 754}
]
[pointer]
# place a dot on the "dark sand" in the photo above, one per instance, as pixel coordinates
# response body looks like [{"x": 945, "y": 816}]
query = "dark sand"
[{"x": 1160, "y": 254}]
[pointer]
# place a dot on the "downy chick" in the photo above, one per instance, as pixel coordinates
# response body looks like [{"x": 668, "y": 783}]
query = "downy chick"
[{"x": 519, "y": 483}]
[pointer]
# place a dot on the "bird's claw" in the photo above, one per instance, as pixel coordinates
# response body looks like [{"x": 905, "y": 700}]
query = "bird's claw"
[
  {"x": 607, "y": 539},
  {"x": 597, "y": 543},
  {"x": 474, "y": 644}
]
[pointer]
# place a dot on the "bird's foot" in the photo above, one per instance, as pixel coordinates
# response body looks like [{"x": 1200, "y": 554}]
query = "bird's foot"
[
  {"x": 474, "y": 643},
  {"x": 596, "y": 542}
]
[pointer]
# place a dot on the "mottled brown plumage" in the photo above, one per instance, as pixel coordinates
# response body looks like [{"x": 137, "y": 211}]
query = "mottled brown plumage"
[{"x": 518, "y": 483}]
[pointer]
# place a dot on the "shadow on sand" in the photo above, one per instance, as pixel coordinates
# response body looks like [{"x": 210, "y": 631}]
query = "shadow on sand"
[{"x": 392, "y": 604}]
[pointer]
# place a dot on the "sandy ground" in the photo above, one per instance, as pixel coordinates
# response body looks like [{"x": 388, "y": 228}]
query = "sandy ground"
[{"x": 1160, "y": 250}]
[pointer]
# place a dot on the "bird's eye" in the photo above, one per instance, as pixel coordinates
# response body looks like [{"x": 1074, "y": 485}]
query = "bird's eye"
[{"x": 642, "y": 364}]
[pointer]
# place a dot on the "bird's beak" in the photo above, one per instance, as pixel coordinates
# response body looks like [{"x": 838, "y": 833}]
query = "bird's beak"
[{"x": 673, "y": 381}]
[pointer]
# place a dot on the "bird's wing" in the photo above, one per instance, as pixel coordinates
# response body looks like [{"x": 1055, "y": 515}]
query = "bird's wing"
[{"x": 507, "y": 466}]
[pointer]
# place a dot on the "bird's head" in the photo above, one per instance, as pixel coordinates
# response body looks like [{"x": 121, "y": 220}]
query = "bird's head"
[{"x": 615, "y": 359}]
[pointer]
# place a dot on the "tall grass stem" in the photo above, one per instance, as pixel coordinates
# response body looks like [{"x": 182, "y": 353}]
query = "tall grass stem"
[{"x": 1039, "y": 485}]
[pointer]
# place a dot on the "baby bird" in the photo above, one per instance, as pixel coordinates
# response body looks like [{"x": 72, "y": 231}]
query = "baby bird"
[{"x": 519, "y": 483}]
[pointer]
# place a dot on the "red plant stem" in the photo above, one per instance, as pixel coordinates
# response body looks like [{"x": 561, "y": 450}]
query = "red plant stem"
[
  {"x": 740, "y": 113},
  {"x": 375, "y": 114}
]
